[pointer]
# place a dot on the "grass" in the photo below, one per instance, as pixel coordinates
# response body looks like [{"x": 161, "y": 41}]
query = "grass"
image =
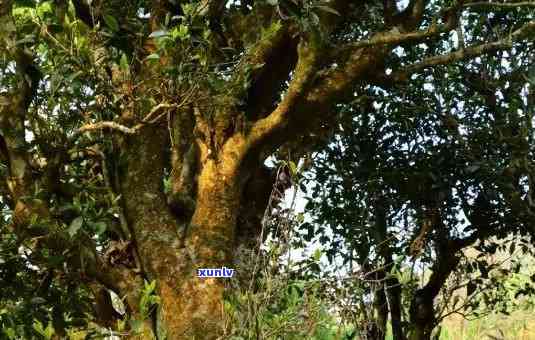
[{"x": 519, "y": 325}]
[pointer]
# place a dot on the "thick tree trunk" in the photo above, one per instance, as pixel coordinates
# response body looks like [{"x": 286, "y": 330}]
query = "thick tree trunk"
[
  {"x": 393, "y": 293},
  {"x": 197, "y": 312},
  {"x": 422, "y": 311},
  {"x": 171, "y": 249},
  {"x": 422, "y": 315},
  {"x": 381, "y": 309}
]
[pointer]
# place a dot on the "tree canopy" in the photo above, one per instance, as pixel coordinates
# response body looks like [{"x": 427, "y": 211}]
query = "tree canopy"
[{"x": 134, "y": 135}]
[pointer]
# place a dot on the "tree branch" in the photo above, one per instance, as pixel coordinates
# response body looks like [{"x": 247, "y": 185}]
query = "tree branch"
[
  {"x": 466, "y": 53},
  {"x": 508, "y": 5},
  {"x": 12, "y": 118},
  {"x": 463, "y": 54},
  {"x": 114, "y": 126},
  {"x": 303, "y": 74},
  {"x": 211, "y": 8},
  {"x": 395, "y": 38},
  {"x": 408, "y": 19},
  {"x": 257, "y": 55},
  {"x": 106, "y": 125},
  {"x": 266, "y": 67}
]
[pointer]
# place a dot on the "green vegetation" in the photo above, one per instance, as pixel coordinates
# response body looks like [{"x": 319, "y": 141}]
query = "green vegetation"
[{"x": 367, "y": 168}]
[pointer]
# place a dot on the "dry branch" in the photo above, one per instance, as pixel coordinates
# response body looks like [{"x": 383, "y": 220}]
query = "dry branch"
[
  {"x": 106, "y": 125},
  {"x": 511, "y": 5},
  {"x": 469, "y": 52},
  {"x": 396, "y": 38}
]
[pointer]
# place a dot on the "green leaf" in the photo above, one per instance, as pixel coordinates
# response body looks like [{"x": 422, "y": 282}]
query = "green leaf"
[
  {"x": 257, "y": 66},
  {"x": 100, "y": 227},
  {"x": 184, "y": 32},
  {"x": 136, "y": 325},
  {"x": 273, "y": 2},
  {"x": 153, "y": 56},
  {"x": 181, "y": 32},
  {"x": 29, "y": 38},
  {"x": 158, "y": 34},
  {"x": 37, "y": 300},
  {"x": 121, "y": 325},
  {"x": 150, "y": 286},
  {"x": 44, "y": 9},
  {"x": 293, "y": 168},
  {"x": 117, "y": 303},
  {"x": 49, "y": 331},
  {"x": 111, "y": 22},
  {"x": 314, "y": 19},
  {"x": 38, "y": 327},
  {"x": 10, "y": 333},
  {"x": 76, "y": 224},
  {"x": 328, "y": 9},
  {"x": 187, "y": 9},
  {"x": 123, "y": 63},
  {"x": 73, "y": 76},
  {"x": 317, "y": 255}
]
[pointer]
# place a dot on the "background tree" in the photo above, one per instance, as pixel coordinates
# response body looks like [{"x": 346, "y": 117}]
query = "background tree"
[
  {"x": 422, "y": 172},
  {"x": 132, "y": 132}
]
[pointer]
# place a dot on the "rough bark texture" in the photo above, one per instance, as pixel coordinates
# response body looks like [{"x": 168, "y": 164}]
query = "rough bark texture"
[
  {"x": 211, "y": 142},
  {"x": 190, "y": 307}
]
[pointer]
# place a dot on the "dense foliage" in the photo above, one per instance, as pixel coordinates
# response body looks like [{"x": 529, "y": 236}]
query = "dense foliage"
[
  {"x": 413, "y": 178},
  {"x": 133, "y": 144}
]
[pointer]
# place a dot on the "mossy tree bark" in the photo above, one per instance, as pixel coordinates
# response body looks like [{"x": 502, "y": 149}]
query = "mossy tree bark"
[{"x": 210, "y": 143}]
